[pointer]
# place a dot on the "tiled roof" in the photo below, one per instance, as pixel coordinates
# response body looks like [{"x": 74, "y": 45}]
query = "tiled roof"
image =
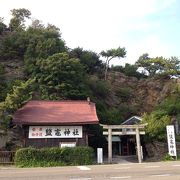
[
  {"x": 133, "y": 120},
  {"x": 56, "y": 113}
]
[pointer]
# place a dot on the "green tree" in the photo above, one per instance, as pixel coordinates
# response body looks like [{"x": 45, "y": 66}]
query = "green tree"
[
  {"x": 18, "y": 18},
  {"x": 14, "y": 45},
  {"x": 37, "y": 24},
  {"x": 113, "y": 116},
  {"x": 147, "y": 64},
  {"x": 3, "y": 27},
  {"x": 42, "y": 42},
  {"x": 159, "y": 65},
  {"x": 171, "y": 104},
  {"x": 157, "y": 122},
  {"x": 60, "y": 77},
  {"x": 17, "y": 98},
  {"x": 89, "y": 59},
  {"x": 31, "y": 44},
  {"x": 37, "y": 41},
  {"x": 110, "y": 54},
  {"x": 172, "y": 66},
  {"x": 128, "y": 70}
]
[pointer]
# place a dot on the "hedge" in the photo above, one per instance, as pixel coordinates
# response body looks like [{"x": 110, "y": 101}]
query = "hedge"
[{"x": 46, "y": 157}]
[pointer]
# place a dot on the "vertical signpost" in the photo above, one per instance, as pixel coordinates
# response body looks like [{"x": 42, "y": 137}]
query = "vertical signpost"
[
  {"x": 100, "y": 155},
  {"x": 171, "y": 140}
]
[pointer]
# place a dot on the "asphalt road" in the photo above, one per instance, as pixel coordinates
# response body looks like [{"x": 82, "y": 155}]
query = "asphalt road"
[{"x": 144, "y": 171}]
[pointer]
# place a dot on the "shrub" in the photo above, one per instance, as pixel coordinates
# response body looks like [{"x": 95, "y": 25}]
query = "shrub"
[
  {"x": 157, "y": 122},
  {"x": 167, "y": 157},
  {"x": 99, "y": 88},
  {"x": 114, "y": 116},
  {"x": 77, "y": 156},
  {"x": 124, "y": 94},
  {"x": 46, "y": 157}
]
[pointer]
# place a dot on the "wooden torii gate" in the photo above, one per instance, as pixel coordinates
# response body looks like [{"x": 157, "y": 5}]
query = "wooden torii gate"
[{"x": 124, "y": 130}]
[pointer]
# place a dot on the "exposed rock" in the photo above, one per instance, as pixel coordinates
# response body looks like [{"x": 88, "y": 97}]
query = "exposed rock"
[
  {"x": 145, "y": 93},
  {"x": 157, "y": 150},
  {"x": 13, "y": 69}
]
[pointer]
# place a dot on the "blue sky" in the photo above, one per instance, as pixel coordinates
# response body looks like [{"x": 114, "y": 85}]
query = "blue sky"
[{"x": 141, "y": 26}]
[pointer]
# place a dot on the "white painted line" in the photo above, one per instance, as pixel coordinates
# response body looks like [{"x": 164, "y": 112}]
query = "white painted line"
[
  {"x": 142, "y": 163},
  {"x": 161, "y": 175},
  {"x": 127, "y": 164},
  {"x": 83, "y": 168},
  {"x": 151, "y": 166},
  {"x": 80, "y": 178},
  {"x": 121, "y": 177},
  {"x": 4, "y": 168},
  {"x": 123, "y": 168},
  {"x": 176, "y": 165}
]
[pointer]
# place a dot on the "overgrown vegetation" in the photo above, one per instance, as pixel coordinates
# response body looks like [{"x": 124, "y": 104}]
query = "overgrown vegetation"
[
  {"x": 164, "y": 114},
  {"x": 19, "y": 95},
  {"x": 129, "y": 70},
  {"x": 159, "y": 65},
  {"x": 47, "y": 157},
  {"x": 167, "y": 157}
]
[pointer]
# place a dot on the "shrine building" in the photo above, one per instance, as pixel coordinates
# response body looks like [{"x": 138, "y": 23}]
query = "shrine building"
[{"x": 43, "y": 123}]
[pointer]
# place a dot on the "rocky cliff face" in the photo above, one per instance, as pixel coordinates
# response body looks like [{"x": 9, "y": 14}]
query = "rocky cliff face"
[
  {"x": 144, "y": 94},
  {"x": 13, "y": 69}
]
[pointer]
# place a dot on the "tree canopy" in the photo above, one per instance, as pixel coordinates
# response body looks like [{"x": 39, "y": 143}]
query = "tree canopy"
[
  {"x": 60, "y": 77},
  {"x": 18, "y": 18},
  {"x": 89, "y": 59},
  {"x": 159, "y": 65},
  {"x": 110, "y": 54}
]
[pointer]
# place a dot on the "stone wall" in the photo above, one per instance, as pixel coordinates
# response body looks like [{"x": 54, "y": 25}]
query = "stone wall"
[
  {"x": 157, "y": 150},
  {"x": 3, "y": 141}
]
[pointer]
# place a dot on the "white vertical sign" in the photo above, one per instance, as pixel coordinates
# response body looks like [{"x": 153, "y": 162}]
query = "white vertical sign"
[
  {"x": 100, "y": 155},
  {"x": 171, "y": 140}
]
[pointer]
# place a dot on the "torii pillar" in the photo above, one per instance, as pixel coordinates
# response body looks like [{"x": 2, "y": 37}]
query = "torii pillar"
[{"x": 109, "y": 145}]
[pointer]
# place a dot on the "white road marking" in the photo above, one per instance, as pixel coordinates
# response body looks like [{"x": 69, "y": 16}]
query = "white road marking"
[
  {"x": 143, "y": 163},
  {"x": 127, "y": 164},
  {"x": 121, "y": 177},
  {"x": 123, "y": 168},
  {"x": 134, "y": 164},
  {"x": 161, "y": 175},
  {"x": 151, "y": 166},
  {"x": 176, "y": 165},
  {"x": 80, "y": 178},
  {"x": 83, "y": 168}
]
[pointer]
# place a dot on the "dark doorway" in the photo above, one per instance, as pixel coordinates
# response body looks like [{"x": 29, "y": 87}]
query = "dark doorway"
[
  {"x": 116, "y": 148},
  {"x": 128, "y": 146}
]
